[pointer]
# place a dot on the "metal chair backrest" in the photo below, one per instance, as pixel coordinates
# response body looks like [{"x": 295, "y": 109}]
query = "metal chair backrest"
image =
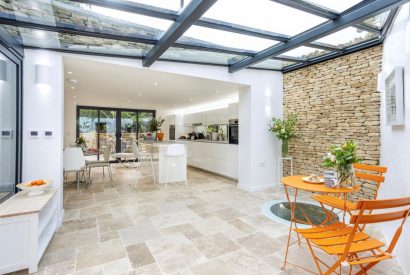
[
  {"x": 381, "y": 211},
  {"x": 135, "y": 149},
  {"x": 107, "y": 152},
  {"x": 175, "y": 150},
  {"x": 73, "y": 159},
  {"x": 369, "y": 172}
]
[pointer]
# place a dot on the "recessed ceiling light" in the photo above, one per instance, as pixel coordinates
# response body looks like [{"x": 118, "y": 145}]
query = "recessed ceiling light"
[
  {"x": 139, "y": 94},
  {"x": 190, "y": 99},
  {"x": 129, "y": 101},
  {"x": 155, "y": 83},
  {"x": 69, "y": 72},
  {"x": 74, "y": 96},
  {"x": 72, "y": 87},
  {"x": 217, "y": 91}
]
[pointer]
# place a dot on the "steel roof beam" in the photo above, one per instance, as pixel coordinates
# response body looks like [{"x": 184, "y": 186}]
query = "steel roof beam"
[
  {"x": 346, "y": 19},
  {"x": 194, "y": 10}
]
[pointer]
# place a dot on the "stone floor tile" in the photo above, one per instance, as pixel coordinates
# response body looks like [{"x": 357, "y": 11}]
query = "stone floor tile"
[
  {"x": 212, "y": 225},
  {"x": 137, "y": 234},
  {"x": 259, "y": 244},
  {"x": 139, "y": 255},
  {"x": 215, "y": 245}
]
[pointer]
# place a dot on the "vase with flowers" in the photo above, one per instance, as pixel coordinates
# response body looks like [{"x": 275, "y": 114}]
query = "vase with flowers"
[
  {"x": 342, "y": 158},
  {"x": 284, "y": 129}
]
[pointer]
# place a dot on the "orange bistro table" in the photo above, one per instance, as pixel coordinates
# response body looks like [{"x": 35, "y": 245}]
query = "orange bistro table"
[{"x": 296, "y": 183}]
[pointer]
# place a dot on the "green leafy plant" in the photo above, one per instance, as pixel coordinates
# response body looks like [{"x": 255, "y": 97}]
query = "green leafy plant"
[
  {"x": 80, "y": 142},
  {"x": 156, "y": 124},
  {"x": 342, "y": 158},
  {"x": 284, "y": 129}
]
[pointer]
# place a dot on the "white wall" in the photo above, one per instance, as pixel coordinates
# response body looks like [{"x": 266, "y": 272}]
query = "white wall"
[
  {"x": 258, "y": 149},
  {"x": 43, "y": 110},
  {"x": 395, "y": 141}
]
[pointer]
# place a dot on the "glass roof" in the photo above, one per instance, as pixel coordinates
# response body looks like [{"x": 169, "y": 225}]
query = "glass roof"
[
  {"x": 229, "y": 31},
  {"x": 265, "y": 15}
]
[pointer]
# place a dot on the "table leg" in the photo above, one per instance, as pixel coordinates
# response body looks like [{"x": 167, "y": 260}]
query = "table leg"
[{"x": 292, "y": 222}]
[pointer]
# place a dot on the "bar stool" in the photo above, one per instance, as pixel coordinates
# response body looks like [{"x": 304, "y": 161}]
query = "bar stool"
[
  {"x": 143, "y": 158},
  {"x": 174, "y": 154}
]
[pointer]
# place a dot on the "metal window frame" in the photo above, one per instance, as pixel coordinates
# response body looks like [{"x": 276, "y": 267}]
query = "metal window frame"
[{"x": 336, "y": 22}]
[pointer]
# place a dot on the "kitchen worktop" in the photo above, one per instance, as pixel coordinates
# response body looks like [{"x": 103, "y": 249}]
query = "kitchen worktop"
[{"x": 184, "y": 140}]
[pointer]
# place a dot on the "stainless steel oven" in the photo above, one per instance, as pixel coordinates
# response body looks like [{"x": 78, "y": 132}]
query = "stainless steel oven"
[{"x": 233, "y": 131}]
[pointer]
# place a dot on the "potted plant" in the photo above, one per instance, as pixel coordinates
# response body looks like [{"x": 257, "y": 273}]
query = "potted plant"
[
  {"x": 284, "y": 130},
  {"x": 155, "y": 126},
  {"x": 341, "y": 158},
  {"x": 80, "y": 142}
]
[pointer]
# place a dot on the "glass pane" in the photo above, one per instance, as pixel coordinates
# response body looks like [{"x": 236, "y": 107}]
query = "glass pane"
[
  {"x": 128, "y": 130},
  {"x": 179, "y": 54},
  {"x": 347, "y": 37},
  {"x": 44, "y": 39},
  {"x": 304, "y": 52},
  {"x": 175, "y": 5},
  {"x": 83, "y": 16},
  {"x": 335, "y": 5},
  {"x": 87, "y": 126},
  {"x": 264, "y": 15},
  {"x": 144, "y": 119},
  {"x": 227, "y": 39},
  {"x": 272, "y": 64},
  {"x": 8, "y": 143},
  {"x": 377, "y": 21},
  {"x": 107, "y": 128}
]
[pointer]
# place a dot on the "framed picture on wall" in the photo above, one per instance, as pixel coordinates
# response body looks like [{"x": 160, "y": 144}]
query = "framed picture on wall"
[{"x": 394, "y": 94}]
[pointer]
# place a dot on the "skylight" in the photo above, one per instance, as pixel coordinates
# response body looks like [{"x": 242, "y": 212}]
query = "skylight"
[{"x": 335, "y": 5}]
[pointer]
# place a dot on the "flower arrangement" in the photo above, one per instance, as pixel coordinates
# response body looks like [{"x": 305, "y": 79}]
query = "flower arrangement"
[
  {"x": 342, "y": 158},
  {"x": 80, "y": 142},
  {"x": 284, "y": 130}
]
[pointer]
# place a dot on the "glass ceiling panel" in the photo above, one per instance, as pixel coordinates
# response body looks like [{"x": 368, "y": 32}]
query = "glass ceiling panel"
[
  {"x": 304, "y": 53},
  {"x": 263, "y": 14},
  {"x": 174, "y": 5},
  {"x": 226, "y": 39},
  {"x": 335, "y": 5},
  {"x": 347, "y": 37},
  {"x": 45, "y": 39},
  {"x": 272, "y": 64},
  {"x": 377, "y": 21},
  {"x": 76, "y": 15},
  {"x": 189, "y": 55}
]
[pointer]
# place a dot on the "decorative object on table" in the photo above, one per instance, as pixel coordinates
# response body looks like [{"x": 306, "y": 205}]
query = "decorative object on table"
[
  {"x": 148, "y": 136},
  {"x": 341, "y": 158},
  {"x": 393, "y": 96},
  {"x": 35, "y": 187},
  {"x": 155, "y": 127},
  {"x": 330, "y": 178},
  {"x": 284, "y": 130},
  {"x": 313, "y": 178},
  {"x": 80, "y": 142}
]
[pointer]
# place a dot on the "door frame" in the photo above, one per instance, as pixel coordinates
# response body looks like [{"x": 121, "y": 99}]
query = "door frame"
[{"x": 117, "y": 121}]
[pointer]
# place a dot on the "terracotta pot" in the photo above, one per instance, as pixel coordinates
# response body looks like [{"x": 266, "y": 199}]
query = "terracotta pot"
[{"x": 160, "y": 136}]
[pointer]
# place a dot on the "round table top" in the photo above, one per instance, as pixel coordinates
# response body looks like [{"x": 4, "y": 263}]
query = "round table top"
[{"x": 297, "y": 182}]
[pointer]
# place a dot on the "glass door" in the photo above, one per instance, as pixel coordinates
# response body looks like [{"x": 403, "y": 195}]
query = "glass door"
[
  {"x": 88, "y": 127},
  {"x": 8, "y": 126},
  {"x": 128, "y": 130},
  {"x": 107, "y": 129}
]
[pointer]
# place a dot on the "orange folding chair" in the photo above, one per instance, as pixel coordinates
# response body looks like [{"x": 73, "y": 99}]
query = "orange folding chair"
[
  {"x": 364, "y": 172},
  {"x": 350, "y": 244}
]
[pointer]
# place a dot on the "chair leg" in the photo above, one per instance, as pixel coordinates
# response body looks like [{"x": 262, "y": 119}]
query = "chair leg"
[
  {"x": 89, "y": 174},
  {"x": 110, "y": 174},
  {"x": 103, "y": 172},
  {"x": 166, "y": 175},
  {"x": 78, "y": 180},
  {"x": 153, "y": 171}
]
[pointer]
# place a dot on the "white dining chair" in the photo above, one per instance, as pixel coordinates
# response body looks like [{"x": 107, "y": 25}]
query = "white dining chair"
[
  {"x": 174, "y": 155},
  {"x": 143, "y": 158},
  {"x": 105, "y": 162},
  {"x": 74, "y": 161}
]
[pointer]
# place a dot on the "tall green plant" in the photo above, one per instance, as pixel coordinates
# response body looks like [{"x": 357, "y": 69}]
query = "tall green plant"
[{"x": 156, "y": 124}]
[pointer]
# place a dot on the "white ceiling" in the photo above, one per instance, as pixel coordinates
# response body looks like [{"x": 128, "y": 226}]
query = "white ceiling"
[{"x": 111, "y": 85}]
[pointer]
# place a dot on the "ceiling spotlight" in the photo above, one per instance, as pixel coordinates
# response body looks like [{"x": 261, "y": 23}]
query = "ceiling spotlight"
[
  {"x": 155, "y": 83},
  {"x": 72, "y": 80},
  {"x": 139, "y": 94},
  {"x": 72, "y": 87},
  {"x": 217, "y": 91},
  {"x": 74, "y": 96},
  {"x": 70, "y": 72},
  {"x": 190, "y": 99}
]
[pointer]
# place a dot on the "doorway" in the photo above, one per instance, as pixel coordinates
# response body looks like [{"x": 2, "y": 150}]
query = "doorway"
[{"x": 120, "y": 127}]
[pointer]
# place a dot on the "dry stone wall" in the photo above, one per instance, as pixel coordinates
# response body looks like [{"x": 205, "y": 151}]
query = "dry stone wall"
[{"x": 336, "y": 101}]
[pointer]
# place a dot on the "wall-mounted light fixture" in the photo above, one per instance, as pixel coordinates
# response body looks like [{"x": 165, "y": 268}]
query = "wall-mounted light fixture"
[
  {"x": 43, "y": 73},
  {"x": 3, "y": 70}
]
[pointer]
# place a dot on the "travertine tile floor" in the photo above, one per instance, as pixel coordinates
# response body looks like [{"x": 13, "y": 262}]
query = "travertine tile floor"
[{"x": 210, "y": 228}]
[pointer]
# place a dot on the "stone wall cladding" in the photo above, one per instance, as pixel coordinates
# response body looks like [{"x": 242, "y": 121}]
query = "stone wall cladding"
[{"x": 336, "y": 101}]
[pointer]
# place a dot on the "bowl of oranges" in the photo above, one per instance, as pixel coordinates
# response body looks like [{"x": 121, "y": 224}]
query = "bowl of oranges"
[{"x": 35, "y": 187}]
